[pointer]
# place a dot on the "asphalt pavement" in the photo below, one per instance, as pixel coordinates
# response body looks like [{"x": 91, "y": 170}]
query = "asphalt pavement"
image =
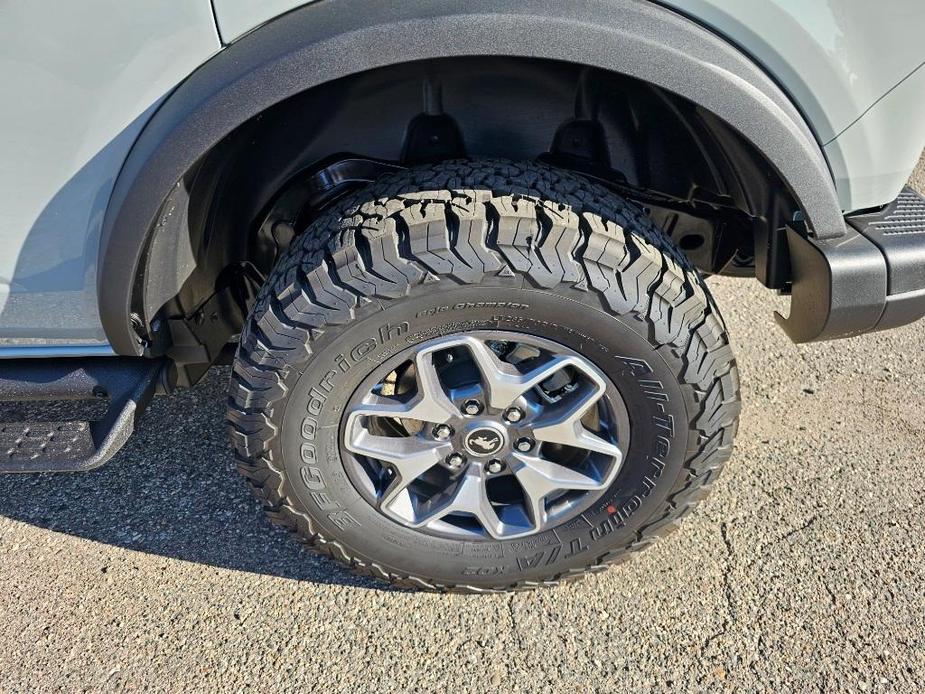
[{"x": 803, "y": 570}]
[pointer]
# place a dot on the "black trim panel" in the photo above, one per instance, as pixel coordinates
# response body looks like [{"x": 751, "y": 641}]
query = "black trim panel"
[
  {"x": 873, "y": 278},
  {"x": 899, "y": 231}
]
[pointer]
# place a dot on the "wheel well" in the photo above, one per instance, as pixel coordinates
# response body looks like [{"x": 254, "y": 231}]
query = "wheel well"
[{"x": 700, "y": 180}]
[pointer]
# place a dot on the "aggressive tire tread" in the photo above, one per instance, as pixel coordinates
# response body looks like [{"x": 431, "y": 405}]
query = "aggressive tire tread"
[{"x": 474, "y": 219}]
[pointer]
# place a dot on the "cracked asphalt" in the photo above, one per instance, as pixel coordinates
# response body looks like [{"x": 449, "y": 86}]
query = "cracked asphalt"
[{"x": 804, "y": 569}]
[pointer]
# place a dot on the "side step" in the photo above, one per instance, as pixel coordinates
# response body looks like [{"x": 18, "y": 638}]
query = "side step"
[{"x": 73, "y": 446}]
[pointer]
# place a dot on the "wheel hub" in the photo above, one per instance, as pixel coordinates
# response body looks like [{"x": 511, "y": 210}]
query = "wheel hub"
[
  {"x": 489, "y": 435},
  {"x": 485, "y": 440}
]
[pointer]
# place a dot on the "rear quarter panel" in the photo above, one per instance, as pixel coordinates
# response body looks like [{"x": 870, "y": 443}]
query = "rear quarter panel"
[
  {"x": 853, "y": 67},
  {"x": 834, "y": 57}
]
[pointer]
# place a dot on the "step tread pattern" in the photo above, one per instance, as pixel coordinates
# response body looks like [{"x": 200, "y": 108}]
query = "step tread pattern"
[
  {"x": 30, "y": 441},
  {"x": 907, "y": 215}
]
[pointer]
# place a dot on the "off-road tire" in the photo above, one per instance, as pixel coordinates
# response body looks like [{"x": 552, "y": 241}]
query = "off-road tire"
[{"x": 458, "y": 241}]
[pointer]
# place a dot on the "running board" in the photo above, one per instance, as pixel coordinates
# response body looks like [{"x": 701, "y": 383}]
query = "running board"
[{"x": 73, "y": 446}]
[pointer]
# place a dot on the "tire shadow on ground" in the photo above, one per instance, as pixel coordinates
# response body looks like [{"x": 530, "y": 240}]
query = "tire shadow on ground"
[{"x": 172, "y": 491}]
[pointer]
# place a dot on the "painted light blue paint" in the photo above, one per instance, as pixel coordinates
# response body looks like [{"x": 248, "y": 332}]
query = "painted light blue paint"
[
  {"x": 54, "y": 351},
  {"x": 837, "y": 59},
  {"x": 79, "y": 80}
]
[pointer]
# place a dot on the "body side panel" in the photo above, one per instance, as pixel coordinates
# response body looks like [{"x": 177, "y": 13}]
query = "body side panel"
[
  {"x": 79, "y": 80},
  {"x": 837, "y": 59},
  {"x": 237, "y": 17},
  {"x": 873, "y": 158},
  {"x": 834, "y": 57}
]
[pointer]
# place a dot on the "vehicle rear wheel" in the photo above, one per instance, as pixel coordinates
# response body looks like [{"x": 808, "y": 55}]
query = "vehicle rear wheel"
[{"x": 482, "y": 376}]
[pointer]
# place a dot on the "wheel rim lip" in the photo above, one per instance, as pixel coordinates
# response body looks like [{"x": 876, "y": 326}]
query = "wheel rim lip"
[{"x": 618, "y": 411}]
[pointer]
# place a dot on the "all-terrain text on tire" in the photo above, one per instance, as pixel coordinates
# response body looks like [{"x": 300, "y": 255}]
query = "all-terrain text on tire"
[{"x": 482, "y": 375}]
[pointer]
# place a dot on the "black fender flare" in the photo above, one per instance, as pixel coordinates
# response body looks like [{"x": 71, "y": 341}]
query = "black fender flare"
[{"x": 329, "y": 39}]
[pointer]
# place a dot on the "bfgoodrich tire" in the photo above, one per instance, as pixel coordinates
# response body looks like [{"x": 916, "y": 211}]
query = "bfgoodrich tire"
[{"x": 469, "y": 254}]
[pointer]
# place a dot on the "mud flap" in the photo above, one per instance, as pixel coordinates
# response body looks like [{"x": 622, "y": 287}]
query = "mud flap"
[{"x": 872, "y": 278}]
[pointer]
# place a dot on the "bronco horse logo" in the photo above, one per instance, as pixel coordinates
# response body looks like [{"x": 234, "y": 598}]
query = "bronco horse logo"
[{"x": 487, "y": 442}]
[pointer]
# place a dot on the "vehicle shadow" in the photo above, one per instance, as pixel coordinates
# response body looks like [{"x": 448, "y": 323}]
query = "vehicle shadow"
[{"x": 172, "y": 491}]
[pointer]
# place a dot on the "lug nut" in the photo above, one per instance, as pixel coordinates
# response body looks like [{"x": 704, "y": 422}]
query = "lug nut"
[
  {"x": 495, "y": 466},
  {"x": 443, "y": 432},
  {"x": 472, "y": 407},
  {"x": 513, "y": 414},
  {"x": 524, "y": 445},
  {"x": 455, "y": 460}
]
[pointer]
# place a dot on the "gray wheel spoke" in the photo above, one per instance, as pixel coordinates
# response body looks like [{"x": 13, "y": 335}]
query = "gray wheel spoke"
[
  {"x": 505, "y": 383},
  {"x": 406, "y": 453},
  {"x": 539, "y": 478},
  {"x": 409, "y": 456},
  {"x": 458, "y": 474},
  {"x": 563, "y": 425},
  {"x": 469, "y": 497},
  {"x": 386, "y": 407},
  {"x": 430, "y": 403}
]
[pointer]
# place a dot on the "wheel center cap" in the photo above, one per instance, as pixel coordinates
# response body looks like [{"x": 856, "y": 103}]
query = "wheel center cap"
[{"x": 484, "y": 441}]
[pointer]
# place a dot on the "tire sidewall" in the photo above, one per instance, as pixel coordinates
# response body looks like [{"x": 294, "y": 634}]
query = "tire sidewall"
[{"x": 308, "y": 446}]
